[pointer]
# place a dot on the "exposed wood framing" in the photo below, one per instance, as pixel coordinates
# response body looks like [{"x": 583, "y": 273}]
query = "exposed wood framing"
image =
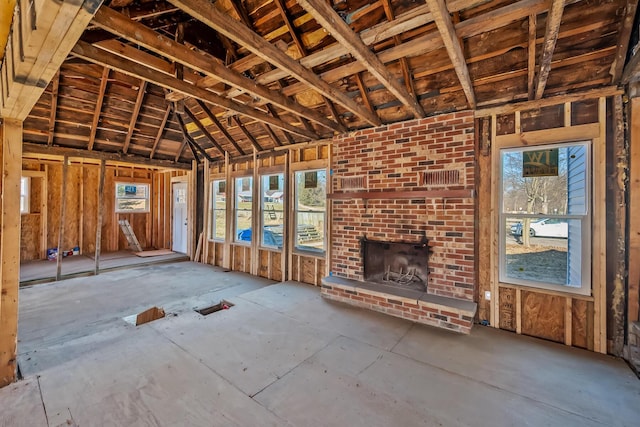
[
  {"x": 272, "y": 135},
  {"x": 450, "y": 39},
  {"x": 364, "y": 93},
  {"x": 331, "y": 21},
  {"x": 531, "y": 55},
  {"x": 290, "y": 139},
  {"x": 265, "y": 50},
  {"x": 633, "y": 313},
  {"x": 55, "y": 86},
  {"x": 626, "y": 25},
  {"x": 185, "y": 136},
  {"x": 204, "y": 131},
  {"x": 161, "y": 129},
  {"x": 554, "y": 18},
  {"x": 96, "y": 112},
  {"x": 134, "y": 115},
  {"x": 63, "y": 206},
  {"x": 219, "y": 126},
  {"x": 246, "y": 133},
  {"x": 100, "y": 216},
  {"x": 287, "y": 22}
]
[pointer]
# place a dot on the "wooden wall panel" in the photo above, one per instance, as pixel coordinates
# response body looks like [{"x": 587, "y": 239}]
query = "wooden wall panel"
[
  {"x": 276, "y": 266},
  {"x": 308, "y": 270},
  {"x": 90, "y": 200},
  {"x": 30, "y": 237},
  {"x": 295, "y": 268},
  {"x": 543, "y": 315},
  {"x": 218, "y": 254},
  {"x": 507, "y": 317},
  {"x": 263, "y": 263},
  {"x": 582, "y": 324}
]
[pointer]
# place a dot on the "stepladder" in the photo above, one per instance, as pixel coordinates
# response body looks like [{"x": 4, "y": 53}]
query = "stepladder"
[{"x": 130, "y": 235}]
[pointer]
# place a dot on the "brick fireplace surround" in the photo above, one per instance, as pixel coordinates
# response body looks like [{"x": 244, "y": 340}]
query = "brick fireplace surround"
[{"x": 399, "y": 183}]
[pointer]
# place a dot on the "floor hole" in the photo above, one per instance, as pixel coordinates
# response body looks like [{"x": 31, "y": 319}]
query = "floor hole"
[{"x": 222, "y": 305}]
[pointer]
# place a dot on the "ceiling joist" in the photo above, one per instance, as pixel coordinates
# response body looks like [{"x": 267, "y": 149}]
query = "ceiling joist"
[{"x": 554, "y": 17}]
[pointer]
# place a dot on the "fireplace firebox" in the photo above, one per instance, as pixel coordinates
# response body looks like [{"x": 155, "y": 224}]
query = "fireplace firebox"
[{"x": 400, "y": 264}]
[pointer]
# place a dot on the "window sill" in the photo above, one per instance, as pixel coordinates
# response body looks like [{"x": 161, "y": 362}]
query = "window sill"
[{"x": 544, "y": 290}]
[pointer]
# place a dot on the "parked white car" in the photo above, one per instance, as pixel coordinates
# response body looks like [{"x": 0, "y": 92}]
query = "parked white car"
[{"x": 545, "y": 227}]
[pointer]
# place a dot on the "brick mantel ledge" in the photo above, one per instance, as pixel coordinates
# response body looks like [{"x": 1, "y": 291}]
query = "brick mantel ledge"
[{"x": 416, "y": 306}]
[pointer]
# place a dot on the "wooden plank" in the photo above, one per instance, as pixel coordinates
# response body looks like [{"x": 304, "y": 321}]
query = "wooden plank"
[
  {"x": 100, "y": 216},
  {"x": 117, "y": 157},
  {"x": 633, "y": 307},
  {"x": 493, "y": 255},
  {"x": 98, "y": 56},
  {"x": 624, "y": 36},
  {"x": 63, "y": 203},
  {"x": 507, "y": 315},
  {"x": 582, "y": 324},
  {"x": 55, "y": 86},
  {"x": 134, "y": 115},
  {"x": 10, "y": 153},
  {"x": 554, "y": 17},
  {"x": 204, "y": 130},
  {"x": 246, "y": 133},
  {"x": 265, "y": 50},
  {"x": 599, "y": 254},
  {"x": 96, "y": 112},
  {"x": 450, "y": 39},
  {"x": 364, "y": 93},
  {"x": 161, "y": 129},
  {"x": 219, "y": 126},
  {"x": 588, "y": 131},
  {"x": 483, "y": 221},
  {"x": 568, "y": 321},
  {"x": 287, "y": 22},
  {"x": 329, "y": 19},
  {"x": 543, "y": 315},
  {"x": 531, "y": 55}
]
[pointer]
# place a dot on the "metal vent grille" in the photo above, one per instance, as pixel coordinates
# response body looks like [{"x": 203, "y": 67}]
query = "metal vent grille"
[
  {"x": 440, "y": 178},
  {"x": 353, "y": 183}
]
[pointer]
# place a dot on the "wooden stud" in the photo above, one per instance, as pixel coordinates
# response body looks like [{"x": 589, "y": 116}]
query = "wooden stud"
[
  {"x": 494, "y": 255},
  {"x": 554, "y": 18},
  {"x": 63, "y": 203},
  {"x": 98, "y": 109},
  {"x": 10, "y": 153},
  {"x": 230, "y": 205},
  {"x": 599, "y": 254},
  {"x": 518, "y": 310},
  {"x": 100, "y": 216},
  {"x": 633, "y": 280},
  {"x": 568, "y": 321}
]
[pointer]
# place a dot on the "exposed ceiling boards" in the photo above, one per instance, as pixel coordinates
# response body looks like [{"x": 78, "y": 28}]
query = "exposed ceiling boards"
[{"x": 259, "y": 74}]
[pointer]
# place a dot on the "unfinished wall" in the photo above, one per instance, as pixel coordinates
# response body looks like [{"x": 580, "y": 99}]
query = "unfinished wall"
[{"x": 433, "y": 159}]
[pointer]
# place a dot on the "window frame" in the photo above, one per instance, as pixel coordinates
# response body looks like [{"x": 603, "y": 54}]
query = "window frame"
[
  {"x": 27, "y": 196},
  {"x": 294, "y": 241},
  {"x": 261, "y": 243},
  {"x": 213, "y": 210},
  {"x": 236, "y": 196},
  {"x": 586, "y": 286},
  {"x": 146, "y": 198}
]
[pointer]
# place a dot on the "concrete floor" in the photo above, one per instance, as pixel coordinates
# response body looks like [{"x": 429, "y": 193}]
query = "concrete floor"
[{"x": 284, "y": 356}]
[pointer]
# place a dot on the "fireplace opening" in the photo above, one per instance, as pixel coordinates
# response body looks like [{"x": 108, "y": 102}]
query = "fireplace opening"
[{"x": 400, "y": 264}]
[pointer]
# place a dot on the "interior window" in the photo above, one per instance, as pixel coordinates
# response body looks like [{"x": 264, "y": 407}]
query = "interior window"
[
  {"x": 545, "y": 218},
  {"x": 218, "y": 210},
  {"x": 244, "y": 197},
  {"x": 272, "y": 210},
  {"x": 25, "y": 183},
  {"x": 310, "y": 210}
]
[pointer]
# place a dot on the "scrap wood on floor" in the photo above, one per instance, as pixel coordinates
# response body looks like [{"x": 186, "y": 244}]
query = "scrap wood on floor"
[{"x": 157, "y": 252}]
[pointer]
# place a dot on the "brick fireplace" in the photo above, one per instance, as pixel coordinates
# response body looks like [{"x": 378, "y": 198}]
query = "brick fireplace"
[{"x": 409, "y": 182}]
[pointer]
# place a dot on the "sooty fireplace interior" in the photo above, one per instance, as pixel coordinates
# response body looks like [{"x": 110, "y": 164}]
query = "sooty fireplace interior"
[{"x": 399, "y": 264}]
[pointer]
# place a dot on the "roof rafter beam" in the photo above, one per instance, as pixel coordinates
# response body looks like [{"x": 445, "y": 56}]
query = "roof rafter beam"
[
  {"x": 160, "y": 131},
  {"x": 97, "y": 111},
  {"x": 246, "y": 133},
  {"x": 554, "y": 17},
  {"x": 185, "y": 136},
  {"x": 98, "y": 56},
  {"x": 287, "y": 22},
  {"x": 451, "y": 42},
  {"x": 219, "y": 126},
  {"x": 333, "y": 23},
  {"x": 204, "y": 131},
  {"x": 122, "y": 26},
  {"x": 531, "y": 60},
  {"x": 134, "y": 115},
  {"x": 206, "y": 13},
  {"x": 54, "y": 107}
]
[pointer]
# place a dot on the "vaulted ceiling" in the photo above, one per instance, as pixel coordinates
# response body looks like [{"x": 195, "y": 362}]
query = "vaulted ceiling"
[{"x": 183, "y": 79}]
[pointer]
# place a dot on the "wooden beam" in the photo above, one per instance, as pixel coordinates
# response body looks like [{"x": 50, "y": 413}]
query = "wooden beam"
[
  {"x": 624, "y": 36},
  {"x": 63, "y": 206},
  {"x": 247, "y": 134},
  {"x": 156, "y": 141},
  {"x": 11, "y": 165},
  {"x": 333, "y": 110},
  {"x": 98, "y": 56},
  {"x": 265, "y": 50},
  {"x": 333, "y": 23},
  {"x": 287, "y": 22},
  {"x": 364, "y": 92},
  {"x": 272, "y": 135},
  {"x": 274, "y": 113},
  {"x": 54, "y": 107},
  {"x": 134, "y": 115},
  {"x": 450, "y": 39},
  {"x": 554, "y": 18},
  {"x": 122, "y": 26},
  {"x": 32, "y": 148},
  {"x": 100, "y": 216},
  {"x": 204, "y": 131},
  {"x": 97, "y": 111},
  {"x": 219, "y": 126},
  {"x": 633, "y": 298},
  {"x": 531, "y": 61},
  {"x": 185, "y": 139}
]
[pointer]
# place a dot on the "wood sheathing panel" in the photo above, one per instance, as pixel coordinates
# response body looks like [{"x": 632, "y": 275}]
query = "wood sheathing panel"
[{"x": 543, "y": 315}]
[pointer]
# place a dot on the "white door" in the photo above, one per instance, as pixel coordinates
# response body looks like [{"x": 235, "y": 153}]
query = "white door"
[{"x": 180, "y": 217}]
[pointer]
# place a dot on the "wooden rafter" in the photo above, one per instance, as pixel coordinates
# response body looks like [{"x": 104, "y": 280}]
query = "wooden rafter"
[
  {"x": 134, "y": 115},
  {"x": 204, "y": 131},
  {"x": 450, "y": 39},
  {"x": 364, "y": 92},
  {"x": 185, "y": 137},
  {"x": 531, "y": 53},
  {"x": 120, "y": 25},
  {"x": 271, "y": 134},
  {"x": 239, "y": 9},
  {"x": 219, "y": 126},
  {"x": 333, "y": 110},
  {"x": 156, "y": 141},
  {"x": 265, "y": 50},
  {"x": 287, "y": 22},
  {"x": 554, "y": 17},
  {"x": 104, "y": 80},
  {"x": 247, "y": 133},
  {"x": 332, "y": 22},
  {"x": 54, "y": 107},
  {"x": 98, "y": 56},
  {"x": 624, "y": 35},
  {"x": 274, "y": 113}
]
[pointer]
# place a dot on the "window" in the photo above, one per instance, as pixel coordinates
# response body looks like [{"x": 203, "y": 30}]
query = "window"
[
  {"x": 272, "y": 210},
  {"x": 218, "y": 210},
  {"x": 132, "y": 197},
  {"x": 310, "y": 210},
  {"x": 244, "y": 197},
  {"x": 545, "y": 219},
  {"x": 25, "y": 183}
]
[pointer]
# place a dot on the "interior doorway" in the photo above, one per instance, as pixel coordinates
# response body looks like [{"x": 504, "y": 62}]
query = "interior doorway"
[{"x": 180, "y": 226}]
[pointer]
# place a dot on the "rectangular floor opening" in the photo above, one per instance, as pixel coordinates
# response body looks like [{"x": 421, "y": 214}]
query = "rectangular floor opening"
[{"x": 222, "y": 305}]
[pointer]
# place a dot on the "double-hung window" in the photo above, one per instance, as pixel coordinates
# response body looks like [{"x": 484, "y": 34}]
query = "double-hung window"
[
  {"x": 310, "y": 210},
  {"x": 243, "y": 209},
  {"x": 25, "y": 183},
  {"x": 272, "y": 196},
  {"x": 218, "y": 210}
]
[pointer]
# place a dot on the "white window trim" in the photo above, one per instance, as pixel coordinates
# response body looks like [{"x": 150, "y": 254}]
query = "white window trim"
[
  {"x": 309, "y": 251},
  {"x": 147, "y": 199},
  {"x": 261, "y": 243},
  {"x": 234, "y": 238},
  {"x": 26, "y": 196},
  {"x": 212, "y": 217},
  {"x": 587, "y": 223}
]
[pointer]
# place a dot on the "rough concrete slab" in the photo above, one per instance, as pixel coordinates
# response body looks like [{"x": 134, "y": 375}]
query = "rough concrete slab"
[
  {"x": 597, "y": 386},
  {"x": 21, "y": 405}
]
